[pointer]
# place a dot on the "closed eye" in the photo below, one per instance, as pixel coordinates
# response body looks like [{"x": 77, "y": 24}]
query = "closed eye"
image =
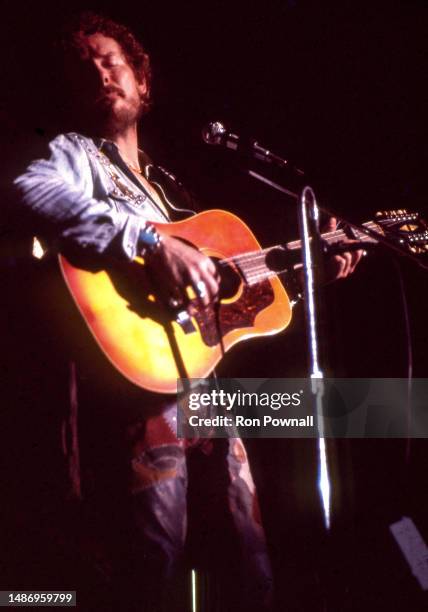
[{"x": 111, "y": 60}]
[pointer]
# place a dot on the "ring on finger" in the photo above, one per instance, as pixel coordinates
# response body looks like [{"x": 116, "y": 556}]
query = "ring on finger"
[
  {"x": 201, "y": 289},
  {"x": 174, "y": 302}
]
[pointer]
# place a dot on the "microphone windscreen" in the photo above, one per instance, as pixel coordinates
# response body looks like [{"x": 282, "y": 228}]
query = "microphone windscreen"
[{"x": 213, "y": 132}]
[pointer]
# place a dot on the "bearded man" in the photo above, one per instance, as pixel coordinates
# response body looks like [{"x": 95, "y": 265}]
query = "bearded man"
[{"x": 94, "y": 198}]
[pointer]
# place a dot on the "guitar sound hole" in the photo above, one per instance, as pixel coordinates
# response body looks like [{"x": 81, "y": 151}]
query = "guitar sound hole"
[
  {"x": 230, "y": 280},
  {"x": 277, "y": 259}
]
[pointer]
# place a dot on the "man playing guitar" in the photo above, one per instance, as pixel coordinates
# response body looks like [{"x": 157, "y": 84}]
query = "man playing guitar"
[{"x": 97, "y": 196}]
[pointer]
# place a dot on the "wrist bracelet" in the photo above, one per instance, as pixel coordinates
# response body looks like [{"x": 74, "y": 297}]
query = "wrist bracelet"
[{"x": 149, "y": 241}]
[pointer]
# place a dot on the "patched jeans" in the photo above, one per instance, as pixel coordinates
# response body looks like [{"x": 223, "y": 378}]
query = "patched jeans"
[{"x": 194, "y": 505}]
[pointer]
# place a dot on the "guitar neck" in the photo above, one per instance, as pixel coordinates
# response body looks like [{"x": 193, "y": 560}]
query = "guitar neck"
[
  {"x": 337, "y": 236},
  {"x": 255, "y": 268}
]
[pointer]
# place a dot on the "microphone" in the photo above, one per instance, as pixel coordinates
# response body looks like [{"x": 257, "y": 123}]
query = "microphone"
[{"x": 216, "y": 133}]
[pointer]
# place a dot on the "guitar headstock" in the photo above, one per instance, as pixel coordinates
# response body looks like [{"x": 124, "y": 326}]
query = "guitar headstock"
[{"x": 407, "y": 228}]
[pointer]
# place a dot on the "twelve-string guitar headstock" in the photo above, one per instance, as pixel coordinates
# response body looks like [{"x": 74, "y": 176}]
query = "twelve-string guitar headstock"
[{"x": 408, "y": 229}]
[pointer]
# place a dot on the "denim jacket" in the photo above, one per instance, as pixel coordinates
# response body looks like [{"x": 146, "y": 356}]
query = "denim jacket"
[{"x": 84, "y": 196}]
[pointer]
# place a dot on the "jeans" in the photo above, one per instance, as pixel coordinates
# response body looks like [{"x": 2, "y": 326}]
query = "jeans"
[{"x": 192, "y": 504}]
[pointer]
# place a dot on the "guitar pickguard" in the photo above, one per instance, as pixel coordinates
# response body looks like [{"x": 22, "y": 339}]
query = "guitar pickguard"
[{"x": 234, "y": 315}]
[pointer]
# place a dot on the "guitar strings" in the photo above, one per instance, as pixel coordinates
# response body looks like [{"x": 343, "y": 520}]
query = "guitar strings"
[{"x": 253, "y": 264}]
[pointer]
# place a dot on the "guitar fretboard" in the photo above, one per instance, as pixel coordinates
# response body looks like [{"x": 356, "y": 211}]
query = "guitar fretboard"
[{"x": 253, "y": 265}]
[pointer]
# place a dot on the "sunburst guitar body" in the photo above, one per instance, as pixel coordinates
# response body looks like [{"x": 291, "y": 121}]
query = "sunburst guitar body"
[{"x": 153, "y": 346}]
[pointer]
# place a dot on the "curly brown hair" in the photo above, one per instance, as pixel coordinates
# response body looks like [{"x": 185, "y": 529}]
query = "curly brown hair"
[{"x": 88, "y": 22}]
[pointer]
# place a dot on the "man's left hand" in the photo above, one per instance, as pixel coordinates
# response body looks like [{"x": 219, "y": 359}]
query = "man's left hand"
[{"x": 341, "y": 266}]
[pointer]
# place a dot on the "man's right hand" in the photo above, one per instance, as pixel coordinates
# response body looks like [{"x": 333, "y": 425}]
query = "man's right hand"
[{"x": 176, "y": 266}]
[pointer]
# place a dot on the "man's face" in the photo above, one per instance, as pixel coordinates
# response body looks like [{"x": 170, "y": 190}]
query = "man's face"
[{"x": 106, "y": 89}]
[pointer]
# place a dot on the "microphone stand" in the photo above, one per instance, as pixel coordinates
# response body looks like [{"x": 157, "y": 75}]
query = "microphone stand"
[
  {"x": 311, "y": 241},
  {"x": 312, "y": 250}
]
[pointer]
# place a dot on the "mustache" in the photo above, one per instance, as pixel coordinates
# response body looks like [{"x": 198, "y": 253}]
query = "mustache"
[{"x": 108, "y": 90}]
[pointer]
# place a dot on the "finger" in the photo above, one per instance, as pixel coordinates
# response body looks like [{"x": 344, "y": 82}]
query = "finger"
[
  {"x": 347, "y": 256},
  {"x": 210, "y": 275},
  {"x": 200, "y": 288},
  {"x": 169, "y": 290},
  {"x": 343, "y": 262},
  {"x": 175, "y": 298},
  {"x": 202, "y": 292},
  {"x": 210, "y": 266},
  {"x": 356, "y": 256},
  {"x": 331, "y": 224},
  {"x": 212, "y": 285},
  {"x": 173, "y": 285},
  {"x": 340, "y": 264}
]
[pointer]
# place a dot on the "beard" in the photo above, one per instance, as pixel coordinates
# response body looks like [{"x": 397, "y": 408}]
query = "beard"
[
  {"x": 109, "y": 115},
  {"x": 115, "y": 115}
]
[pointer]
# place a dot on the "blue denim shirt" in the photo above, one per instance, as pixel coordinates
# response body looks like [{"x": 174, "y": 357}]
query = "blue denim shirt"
[{"x": 85, "y": 196}]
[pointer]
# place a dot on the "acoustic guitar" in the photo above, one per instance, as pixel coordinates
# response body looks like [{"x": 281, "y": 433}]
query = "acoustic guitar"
[{"x": 152, "y": 346}]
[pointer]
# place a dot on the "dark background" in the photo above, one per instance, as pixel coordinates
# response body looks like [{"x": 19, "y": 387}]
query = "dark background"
[{"x": 340, "y": 88}]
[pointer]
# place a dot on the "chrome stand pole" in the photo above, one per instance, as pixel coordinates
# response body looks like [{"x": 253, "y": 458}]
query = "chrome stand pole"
[{"x": 311, "y": 251}]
